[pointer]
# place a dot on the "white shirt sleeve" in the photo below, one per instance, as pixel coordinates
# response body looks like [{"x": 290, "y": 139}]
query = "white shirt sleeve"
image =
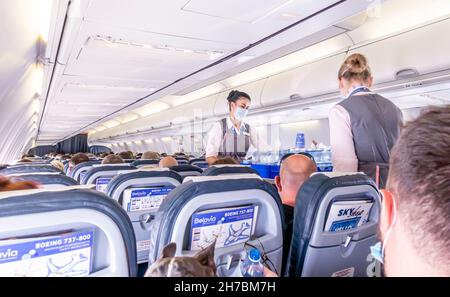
[
  {"x": 213, "y": 140},
  {"x": 341, "y": 139},
  {"x": 257, "y": 141}
]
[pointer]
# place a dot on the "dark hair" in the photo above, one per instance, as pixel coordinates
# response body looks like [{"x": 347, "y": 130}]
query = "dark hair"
[
  {"x": 78, "y": 159},
  {"x": 226, "y": 160},
  {"x": 126, "y": 155},
  {"x": 355, "y": 67},
  {"x": 112, "y": 159},
  {"x": 419, "y": 179},
  {"x": 234, "y": 95}
]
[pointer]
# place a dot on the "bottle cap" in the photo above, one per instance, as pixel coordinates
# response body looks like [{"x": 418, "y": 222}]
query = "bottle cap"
[{"x": 254, "y": 255}]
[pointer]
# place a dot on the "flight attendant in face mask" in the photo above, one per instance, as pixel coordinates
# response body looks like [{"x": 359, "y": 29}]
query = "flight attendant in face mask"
[
  {"x": 231, "y": 136},
  {"x": 364, "y": 126}
]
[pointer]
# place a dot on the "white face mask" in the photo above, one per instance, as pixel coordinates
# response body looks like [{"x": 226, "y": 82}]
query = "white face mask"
[
  {"x": 377, "y": 250},
  {"x": 240, "y": 113}
]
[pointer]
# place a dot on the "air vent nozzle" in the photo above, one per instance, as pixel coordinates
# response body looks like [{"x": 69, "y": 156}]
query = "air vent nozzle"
[
  {"x": 295, "y": 97},
  {"x": 406, "y": 73}
]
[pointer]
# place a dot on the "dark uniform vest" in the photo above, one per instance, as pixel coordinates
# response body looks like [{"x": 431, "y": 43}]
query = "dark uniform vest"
[
  {"x": 375, "y": 123},
  {"x": 234, "y": 145}
]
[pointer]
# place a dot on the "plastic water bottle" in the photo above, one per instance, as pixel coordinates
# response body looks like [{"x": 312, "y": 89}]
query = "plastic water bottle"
[{"x": 252, "y": 266}]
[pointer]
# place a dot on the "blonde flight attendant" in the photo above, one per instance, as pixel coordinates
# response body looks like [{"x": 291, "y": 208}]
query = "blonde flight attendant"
[
  {"x": 231, "y": 136},
  {"x": 364, "y": 126}
]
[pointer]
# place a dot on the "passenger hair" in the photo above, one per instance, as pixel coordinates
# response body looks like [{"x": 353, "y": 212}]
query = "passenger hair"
[
  {"x": 419, "y": 179},
  {"x": 79, "y": 158},
  {"x": 355, "y": 67},
  {"x": 112, "y": 159},
  {"x": 225, "y": 161}
]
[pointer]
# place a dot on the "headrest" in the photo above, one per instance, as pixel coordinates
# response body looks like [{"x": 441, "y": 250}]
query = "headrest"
[
  {"x": 333, "y": 174},
  {"x": 196, "y": 160},
  {"x": 202, "y": 178},
  {"x": 214, "y": 170},
  {"x": 35, "y": 173},
  {"x": 148, "y": 168},
  {"x": 181, "y": 158},
  {"x": 186, "y": 167},
  {"x": 6, "y": 194},
  {"x": 29, "y": 169},
  {"x": 109, "y": 165},
  {"x": 105, "y": 169},
  {"x": 119, "y": 179},
  {"x": 33, "y": 202},
  {"x": 145, "y": 162},
  {"x": 82, "y": 165},
  {"x": 47, "y": 179}
]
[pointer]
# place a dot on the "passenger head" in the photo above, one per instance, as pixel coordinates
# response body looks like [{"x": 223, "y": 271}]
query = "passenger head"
[
  {"x": 415, "y": 215},
  {"x": 294, "y": 171},
  {"x": 150, "y": 155},
  {"x": 168, "y": 162},
  {"x": 200, "y": 265},
  {"x": 24, "y": 160},
  {"x": 78, "y": 159},
  {"x": 7, "y": 185},
  {"x": 355, "y": 71},
  {"x": 238, "y": 104},
  {"x": 225, "y": 161},
  {"x": 112, "y": 159},
  {"x": 126, "y": 155},
  {"x": 66, "y": 157},
  {"x": 57, "y": 164}
]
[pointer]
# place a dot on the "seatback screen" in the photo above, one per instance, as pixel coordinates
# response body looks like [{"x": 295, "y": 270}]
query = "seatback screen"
[
  {"x": 229, "y": 225},
  {"x": 102, "y": 182},
  {"x": 68, "y": 253},
  {"x": 144, "y": 199},
  {"x": 345, "y": 215}
]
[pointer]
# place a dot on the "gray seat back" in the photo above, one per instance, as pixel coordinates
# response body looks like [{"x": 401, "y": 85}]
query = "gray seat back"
[
  {"x": 187, "y": 170},
  {"x": 75, "y": 232},
  {"x": 78, "y": 172},
  {"x": 101, "y": 175},
  {"x": 47, "y": 179},
  {"x": 140, "y": 194},
  {"x": 29, "y": 168},
  {"x": 248, "y": 213},
  {"x": 335, "y": 223}
]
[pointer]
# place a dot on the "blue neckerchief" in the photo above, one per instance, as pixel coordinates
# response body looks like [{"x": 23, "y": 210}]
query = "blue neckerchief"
[{"x": 358, "y": 90}]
